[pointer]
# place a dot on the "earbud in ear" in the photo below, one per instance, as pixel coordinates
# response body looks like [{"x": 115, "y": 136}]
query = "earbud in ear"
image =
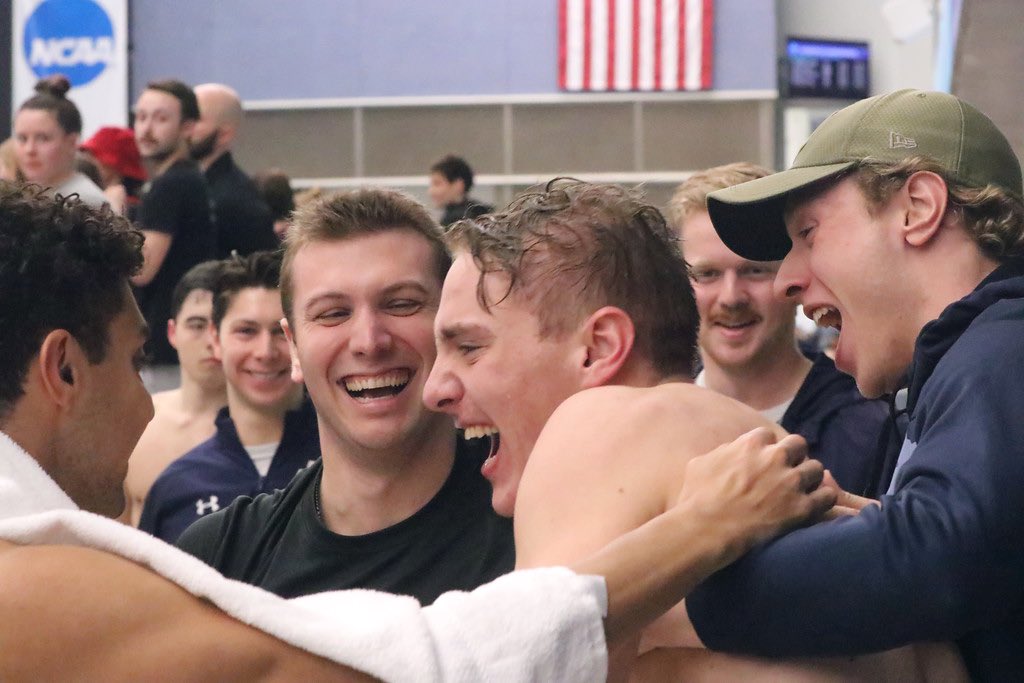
[{"x": 65, "y": 374}]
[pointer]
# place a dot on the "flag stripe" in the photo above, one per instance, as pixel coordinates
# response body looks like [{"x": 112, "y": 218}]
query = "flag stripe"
[
  {"x": 610, "y": 57},
  {"x": 694, "y": 28},
  {"x": 588, "y": 52},
  {"x": 563, "y": 45},
  {"x": 635, "y": 44},
  {"x": 706, "y": 54},
  {"x": 624, "y": 44}
]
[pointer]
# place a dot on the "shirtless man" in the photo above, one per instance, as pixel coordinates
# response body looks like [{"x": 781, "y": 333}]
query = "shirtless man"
[
  {"x": 577, "y": 287},
  {"x": 184, "y": 416},
  {"x": 72, "y": 406}
]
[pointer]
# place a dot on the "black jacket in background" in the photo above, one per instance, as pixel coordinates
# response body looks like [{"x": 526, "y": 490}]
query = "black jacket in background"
[{"x": 243, "y": 219}]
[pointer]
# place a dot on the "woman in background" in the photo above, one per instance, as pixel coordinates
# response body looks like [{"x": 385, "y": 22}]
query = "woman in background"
[{"x": 46, "y": 130}]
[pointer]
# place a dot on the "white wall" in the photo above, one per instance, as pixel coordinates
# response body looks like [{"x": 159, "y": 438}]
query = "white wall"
[{"x": 894, "y": 64}]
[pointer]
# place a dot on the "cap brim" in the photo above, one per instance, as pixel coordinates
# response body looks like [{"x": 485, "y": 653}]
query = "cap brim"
[{"x": 749, "y": 217}]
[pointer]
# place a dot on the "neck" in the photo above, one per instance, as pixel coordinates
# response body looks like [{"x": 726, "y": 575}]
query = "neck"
[
  {"x": 957, "y": 256},
  {"x": 763, "y": 383},
  {"x": 157, "y": 166},
  {"x": 59, "y": 180},
  {"x": 363, "y": 492},
  {"x": 197, "y": 399},
  {"x": 257, "y": 425},
  {"x": 206, "y": 162}
]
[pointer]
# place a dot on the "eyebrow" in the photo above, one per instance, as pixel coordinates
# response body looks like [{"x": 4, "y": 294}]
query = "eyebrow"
[
  {"x": 455, "y": 330},
  {"x": 391, "y": 289},
  {"x": 197, "y": 318}
]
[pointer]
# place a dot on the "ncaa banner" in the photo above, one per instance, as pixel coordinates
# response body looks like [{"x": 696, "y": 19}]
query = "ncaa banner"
[{"x": 86, "y": 41}]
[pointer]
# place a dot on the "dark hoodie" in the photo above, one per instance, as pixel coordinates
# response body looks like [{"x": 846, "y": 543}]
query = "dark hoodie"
[
  {"x": 943, "y": 557},
  {"x": 843, "y": 429}
]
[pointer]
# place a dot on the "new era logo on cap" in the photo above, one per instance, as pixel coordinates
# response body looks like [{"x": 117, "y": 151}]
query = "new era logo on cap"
[{"x": 897, "y": 141}]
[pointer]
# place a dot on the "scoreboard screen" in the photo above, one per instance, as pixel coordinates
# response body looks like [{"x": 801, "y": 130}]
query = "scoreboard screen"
[{"x": 826, "y": 68}]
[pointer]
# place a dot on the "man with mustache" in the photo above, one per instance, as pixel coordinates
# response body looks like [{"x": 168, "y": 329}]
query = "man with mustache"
[
  {"x": 748, "y": 345},
  {"x": 174, "y": 214}
]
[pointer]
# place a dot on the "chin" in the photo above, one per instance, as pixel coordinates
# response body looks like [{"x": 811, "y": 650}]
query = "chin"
[{"x": 502, "y": 506}]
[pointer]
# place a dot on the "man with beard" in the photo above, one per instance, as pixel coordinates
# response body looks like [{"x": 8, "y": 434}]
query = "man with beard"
[
  {"x": 174, "y": 214},
  {"x": 747, "y": 343},
  {"x": 243, "y": 219}
]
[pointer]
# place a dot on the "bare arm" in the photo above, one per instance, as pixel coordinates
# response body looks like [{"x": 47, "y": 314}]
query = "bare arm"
[
  {"x": 154, "y": 251},
  {"x": 110, "y": 619},
  {"x": 929, "y": 662},
  {"x": 734, "y": 497}
]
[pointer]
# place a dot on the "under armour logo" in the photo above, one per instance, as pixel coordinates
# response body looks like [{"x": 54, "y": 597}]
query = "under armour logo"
[
  {"x": 212, "y": 505},
  {"x": 897, "y": 141}
]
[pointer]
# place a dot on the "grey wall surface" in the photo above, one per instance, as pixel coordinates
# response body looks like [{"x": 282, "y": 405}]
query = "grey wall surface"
[
  {"x": 269, "y": 49},
  {"x": 989, "y": 60},
  {"x": 894, "y": 64}
]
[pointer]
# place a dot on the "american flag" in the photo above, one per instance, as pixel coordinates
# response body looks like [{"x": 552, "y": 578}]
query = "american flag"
[{"x": 634, "y": 44}]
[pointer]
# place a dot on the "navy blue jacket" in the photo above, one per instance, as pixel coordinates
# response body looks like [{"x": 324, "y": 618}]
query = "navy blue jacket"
[
  {"x": 214, "y": 473},
  {"x": 843, "y": 429},
  {"x": 943, "y": 557}
]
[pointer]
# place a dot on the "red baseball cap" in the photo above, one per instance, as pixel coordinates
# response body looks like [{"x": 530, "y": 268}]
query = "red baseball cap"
[{"x": 116, "y": 148}]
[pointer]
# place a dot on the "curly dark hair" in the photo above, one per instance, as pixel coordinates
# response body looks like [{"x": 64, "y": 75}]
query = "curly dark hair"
[
  {"x": 575, "y": 247},
  {"x": 260, "y": 269},
  {"x": 63, "y": 265}
]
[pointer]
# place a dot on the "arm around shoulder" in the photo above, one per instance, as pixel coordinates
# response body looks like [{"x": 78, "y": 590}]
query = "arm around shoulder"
[{"x": 110, "y": 619}]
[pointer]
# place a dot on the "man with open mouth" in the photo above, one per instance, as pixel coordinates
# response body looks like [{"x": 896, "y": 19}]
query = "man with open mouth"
[
  {"x": 901, "y": 225},
  {"x": 566, "y": 337},
  {"x": 396, "y": 502},
  {"x": 748, "y": 344},
  {"x": 87, "y": 598}
]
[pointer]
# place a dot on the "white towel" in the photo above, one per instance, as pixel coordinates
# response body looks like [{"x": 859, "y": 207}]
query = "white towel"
[{"x": 536, "y": 625}]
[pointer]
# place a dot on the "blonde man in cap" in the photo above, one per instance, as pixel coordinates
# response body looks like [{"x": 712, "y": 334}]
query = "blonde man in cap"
[{"x": 900, "y": 224}]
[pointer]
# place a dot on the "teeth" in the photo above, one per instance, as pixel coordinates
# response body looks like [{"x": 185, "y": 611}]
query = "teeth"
[
  {"x": 395, "y": 378},
  {"x": 825, "y": 316},
  {"x": 480, "y": 431},
  {"x": 264, "y": 375}
]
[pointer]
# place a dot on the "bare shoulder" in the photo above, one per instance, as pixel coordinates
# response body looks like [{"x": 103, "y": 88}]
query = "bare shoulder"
[
  {"x": 611, "y": 458},
  {"x": 78, "y": 613},
  {"x": 688, "y": 419},
  {"x": 170, "y": 434}
]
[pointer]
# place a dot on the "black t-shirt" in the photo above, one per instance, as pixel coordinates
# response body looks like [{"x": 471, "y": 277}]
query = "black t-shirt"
[
  {"x": 243, "y": 219},
  {"x": 467, "y": 208},
  {"x": 277, "y": 542},
  {"x": 176, "y": 203}
]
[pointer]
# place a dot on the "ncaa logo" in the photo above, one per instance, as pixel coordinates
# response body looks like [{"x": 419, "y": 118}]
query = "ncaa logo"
[{"x": 70, "y": 37}]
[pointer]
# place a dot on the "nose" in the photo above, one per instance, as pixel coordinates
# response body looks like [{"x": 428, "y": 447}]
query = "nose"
[
  {"x": 268, "y": 346},
  {"x": 370, "y": 335},
  {"x": 791, "y": 278},
  {"x": 442, "y": 390},
  {"x": 732, "y": 292}
]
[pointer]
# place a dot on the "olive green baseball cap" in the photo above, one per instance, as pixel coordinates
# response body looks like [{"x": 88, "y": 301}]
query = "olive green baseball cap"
[{"x": 886, "y": 128}]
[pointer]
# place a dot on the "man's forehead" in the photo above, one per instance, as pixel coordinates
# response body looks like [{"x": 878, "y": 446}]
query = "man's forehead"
[
  {"x": 159, "y": 100},
  {"x": 461, "y": 305},
  {"x": 199, "y": 297}
]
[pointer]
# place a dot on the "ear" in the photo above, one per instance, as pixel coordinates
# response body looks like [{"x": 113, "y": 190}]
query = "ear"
[
  {"x": 608, "y": 336},
  {"x": 61, "y": 361},
  {"x": 227, "y": 134},
  {"x": 215, "y": 343},
  {"x": 926, "y": 196},
  {"x": 172, "y": 332},
  {"x": 293, "y": 351}
]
